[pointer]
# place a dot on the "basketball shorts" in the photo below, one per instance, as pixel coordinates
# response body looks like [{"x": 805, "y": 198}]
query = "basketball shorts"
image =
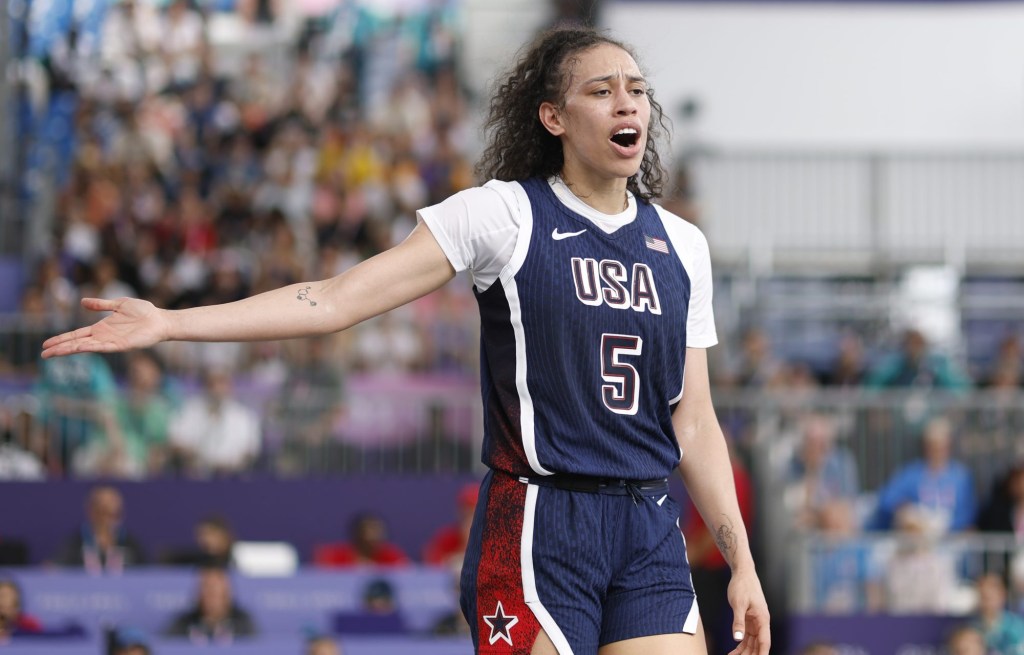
[{"x": 589, "y": 568}]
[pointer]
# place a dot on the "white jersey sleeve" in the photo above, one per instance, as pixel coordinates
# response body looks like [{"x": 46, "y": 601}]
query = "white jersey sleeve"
[
  {"x": 477, "y": 229},
  {"x": 692, "y": 247}
]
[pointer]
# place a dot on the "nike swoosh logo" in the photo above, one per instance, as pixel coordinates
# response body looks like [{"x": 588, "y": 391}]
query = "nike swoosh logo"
[{"x": 558, "y": 236}]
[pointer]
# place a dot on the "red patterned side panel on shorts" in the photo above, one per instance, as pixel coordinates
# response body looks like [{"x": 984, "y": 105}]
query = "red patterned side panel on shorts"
[{"x": 505, "y": 624}]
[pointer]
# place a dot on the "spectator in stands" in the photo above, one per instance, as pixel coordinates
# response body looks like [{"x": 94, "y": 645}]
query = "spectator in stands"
[
  {"x": 214, "y": 541},
  {"x": 55, "y": 289},
  {"x": 102, "y": 544},
  {"x": 1007, "y": 368},
  {"x": 143, "y": 414},
  {"x": 389, "y": 343},
  {"x": 819, "y": 471},
  {"x": 447, "y": 546},
  {"x": 849, "y": 367},
  {"x": 128, "y": 641},
  {"x": 367, "y": 545},
  {"x": 322, "y": 645},
  {"x": 308, "y": 408},
  {"x": 1003, "y": 630},
  {"x": 215, "y": 616},
  {"x": 76, "y": 405},
  {"x": 1004, "y": 510},
  {"x": 757, "y": 365},
  {"x": 938, "y": 487},
  {"x": 379, "y": 597},
  {"x": 18, "y": 461},
  {"x": 916, "y": 365},
  {"x": 214, "y": 434},
  {"x": 846, "y": 576},
  {"x": 106, "y": 283},
  {"x": 378, "y": 613},
  {"x": 1002, "y": 415},
  {"x": 19, "y": 348},
  {"x": 920, "y": 576},
  {"x": 14, "y": 621},
  {"x": 966, "y": 640},
  {"x": 184, "y": 40},
  {"x": 136, "y": 443}
]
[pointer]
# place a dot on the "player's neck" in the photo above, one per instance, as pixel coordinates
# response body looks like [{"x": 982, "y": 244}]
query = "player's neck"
[{"x": 607, "y": 196}]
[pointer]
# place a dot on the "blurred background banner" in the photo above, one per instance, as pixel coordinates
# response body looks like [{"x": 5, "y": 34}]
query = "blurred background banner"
[{"x": 857, "y": 167}]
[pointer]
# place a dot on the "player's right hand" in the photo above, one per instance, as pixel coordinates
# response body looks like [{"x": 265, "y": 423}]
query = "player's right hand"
[{"x": 133, "y": 323}]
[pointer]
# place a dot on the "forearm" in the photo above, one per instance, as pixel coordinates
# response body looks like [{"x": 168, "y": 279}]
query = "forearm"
[
  {"x": 705, "y": 466},
  {"x": 707, "y": 472},
  {"x": 393, "y": 278}
]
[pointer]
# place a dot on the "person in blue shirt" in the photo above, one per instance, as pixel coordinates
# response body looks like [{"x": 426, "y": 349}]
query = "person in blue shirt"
[{"x": 937, "y": 485}]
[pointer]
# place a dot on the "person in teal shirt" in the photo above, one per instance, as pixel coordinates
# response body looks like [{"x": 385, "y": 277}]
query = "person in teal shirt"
[
  {"x": 76, "y": 400},
  {"x": 1003, "y": 630}
]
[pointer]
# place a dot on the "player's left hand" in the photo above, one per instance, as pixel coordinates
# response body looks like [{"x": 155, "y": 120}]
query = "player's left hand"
[{"x": 750, "y": 611}]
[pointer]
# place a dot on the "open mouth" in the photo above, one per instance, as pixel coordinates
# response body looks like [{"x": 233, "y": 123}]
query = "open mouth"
[{"x": 626, "y": 137}]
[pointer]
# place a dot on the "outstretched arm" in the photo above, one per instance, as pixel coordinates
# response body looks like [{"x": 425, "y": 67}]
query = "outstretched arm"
[
  {"x": 411, "y": 269},
  {"x": 707, "y": 472}
]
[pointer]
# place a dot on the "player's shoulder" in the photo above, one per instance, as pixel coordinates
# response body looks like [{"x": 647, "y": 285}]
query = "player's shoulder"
[{"x": 509, "y": 192}]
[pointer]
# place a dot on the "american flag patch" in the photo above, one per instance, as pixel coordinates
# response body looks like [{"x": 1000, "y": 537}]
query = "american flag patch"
[{"x": 656, "y": 244}]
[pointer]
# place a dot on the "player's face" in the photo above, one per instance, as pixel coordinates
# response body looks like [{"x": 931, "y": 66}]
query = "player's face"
[{"x": 604, "y": 117}]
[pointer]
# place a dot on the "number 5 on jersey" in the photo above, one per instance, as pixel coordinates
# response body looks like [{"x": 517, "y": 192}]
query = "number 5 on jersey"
[{"x": 622, "y": 391}]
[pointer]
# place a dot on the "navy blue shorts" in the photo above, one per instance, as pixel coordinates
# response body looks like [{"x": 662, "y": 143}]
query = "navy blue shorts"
[{"x": 587, "y": 568}]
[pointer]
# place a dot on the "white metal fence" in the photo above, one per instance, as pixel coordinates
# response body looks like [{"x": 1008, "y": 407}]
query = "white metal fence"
[{"x": 862, "y": 211}]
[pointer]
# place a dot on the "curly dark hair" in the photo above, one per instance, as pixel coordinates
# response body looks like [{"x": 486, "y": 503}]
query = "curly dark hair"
[{"x": 519, "y": 147}]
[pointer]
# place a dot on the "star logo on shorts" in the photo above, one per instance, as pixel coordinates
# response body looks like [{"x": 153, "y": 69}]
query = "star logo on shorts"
[{"x": 500, "y": 624}]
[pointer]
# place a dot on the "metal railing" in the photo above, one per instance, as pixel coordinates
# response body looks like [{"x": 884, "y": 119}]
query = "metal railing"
[{"x": 896, "y": 573}]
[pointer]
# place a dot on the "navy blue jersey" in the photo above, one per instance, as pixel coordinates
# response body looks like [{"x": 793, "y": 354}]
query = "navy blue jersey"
[{"x": 583, "y": 341}]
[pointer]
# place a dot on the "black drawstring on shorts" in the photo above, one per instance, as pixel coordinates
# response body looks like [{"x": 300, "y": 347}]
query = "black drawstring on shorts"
[{"x": 634, "y": 493}]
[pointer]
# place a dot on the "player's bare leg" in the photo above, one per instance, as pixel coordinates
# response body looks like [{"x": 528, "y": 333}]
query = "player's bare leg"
[
  {"x": 674, "y": 644},
  {"x": 677, "y": 644},
  {"x": 543, "y": 645}
]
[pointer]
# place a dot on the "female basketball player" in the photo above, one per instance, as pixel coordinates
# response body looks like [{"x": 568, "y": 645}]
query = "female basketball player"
[{"x": 595, "y": 314}]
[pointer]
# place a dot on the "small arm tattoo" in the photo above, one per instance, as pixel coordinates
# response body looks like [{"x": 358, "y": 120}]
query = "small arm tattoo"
[
  {"x": 726, "y": 540},
  {"x": 304, "y": 295}
]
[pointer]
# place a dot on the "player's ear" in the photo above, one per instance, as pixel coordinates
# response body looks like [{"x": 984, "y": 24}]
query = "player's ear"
[{"x": 551, "y": 118}]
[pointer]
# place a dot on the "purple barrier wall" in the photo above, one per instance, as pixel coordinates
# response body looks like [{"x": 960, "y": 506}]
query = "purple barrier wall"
[
  {"x": 148, "y": 598},
  {"x": 161, "y": 513},
  {"x": 874, "y": 634}
]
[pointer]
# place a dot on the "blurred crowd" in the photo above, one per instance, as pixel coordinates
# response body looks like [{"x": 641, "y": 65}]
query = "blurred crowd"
[{"x": 222, "y": 149}]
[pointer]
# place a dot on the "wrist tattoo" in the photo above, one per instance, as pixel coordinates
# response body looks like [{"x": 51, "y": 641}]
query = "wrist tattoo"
[
  {"x": 304, "y": 295},
  {"x": 726, "y": 540}
]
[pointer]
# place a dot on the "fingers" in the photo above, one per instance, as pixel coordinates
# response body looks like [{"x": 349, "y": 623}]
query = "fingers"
[
  {"x": 751, "y": 628},
  {"x": 101, "y": 305},
  {"x": 738, "y": 631},
  {"x": 53, "y": 342},
  {"x": 764, "y": 635},
  {"x": 78, "y": 346}
]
